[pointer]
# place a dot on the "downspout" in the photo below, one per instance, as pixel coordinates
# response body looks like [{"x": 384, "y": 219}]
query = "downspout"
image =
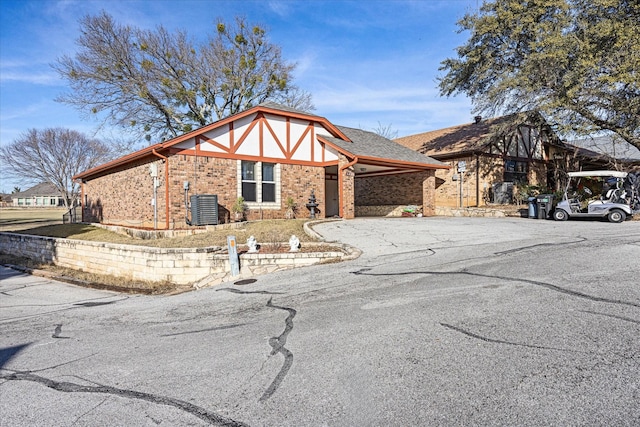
[
  {"x": 82, "y": 205},
  {"x": 166, "y": 186},
  {"x": 340, "y": 184}
]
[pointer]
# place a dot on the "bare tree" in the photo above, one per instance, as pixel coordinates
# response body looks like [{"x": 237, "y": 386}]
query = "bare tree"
[
  {"x": 54, "y": 155},
  {"x": 386, "y": 131},
  {"x": 162, "y": 84}
]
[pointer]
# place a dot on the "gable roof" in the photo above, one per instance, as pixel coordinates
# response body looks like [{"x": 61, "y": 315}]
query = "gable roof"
[
  {"x": 152, "y": 150},
  {"x": 463, "y": 139},
  {"x": 42, "y": 189},
  {"x": 369, "y": 146}
]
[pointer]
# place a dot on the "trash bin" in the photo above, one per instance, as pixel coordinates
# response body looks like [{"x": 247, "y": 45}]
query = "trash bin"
[
  {"x": 544, "y": 204},
  {"x": 532, "y": 207}
]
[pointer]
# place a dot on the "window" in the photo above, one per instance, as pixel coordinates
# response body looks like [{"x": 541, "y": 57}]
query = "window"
[
  {"x": 515, "y": 171},
  {"x": 260, "y": 184},
  {"x": 249, "y": 181},
  {"x": 268, "y": 182}
]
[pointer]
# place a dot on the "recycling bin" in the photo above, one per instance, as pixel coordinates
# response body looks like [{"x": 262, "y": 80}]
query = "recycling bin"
[
  {"x": 533, "y": 208},
  {"x": 544, "y": 206}
]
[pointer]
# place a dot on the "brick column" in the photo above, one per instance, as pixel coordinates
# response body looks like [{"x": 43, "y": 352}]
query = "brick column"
[
  {"x": 429, "y": 194},
  {"x": 346, "y": 188}
]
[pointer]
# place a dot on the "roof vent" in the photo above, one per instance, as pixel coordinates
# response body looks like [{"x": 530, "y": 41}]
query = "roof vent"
[{"x": 477, "y": 119}]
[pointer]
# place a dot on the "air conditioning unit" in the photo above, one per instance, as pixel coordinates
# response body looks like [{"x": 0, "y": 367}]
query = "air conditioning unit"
[
  {"x": 204, "y": 209},
  {"x": 502, "y": 193}
]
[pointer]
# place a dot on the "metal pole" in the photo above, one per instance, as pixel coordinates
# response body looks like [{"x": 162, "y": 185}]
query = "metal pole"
[{"x": 461, "y": 189}]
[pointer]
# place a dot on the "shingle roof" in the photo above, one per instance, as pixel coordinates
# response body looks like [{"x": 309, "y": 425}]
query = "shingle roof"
[
  {"x": 604, "y": 146},
  {"x": 369, "y": 144},
  {"x": 468, "y": 137},
  {"x": 42, "y": 189},
  {"x": 276, "y": 106}
]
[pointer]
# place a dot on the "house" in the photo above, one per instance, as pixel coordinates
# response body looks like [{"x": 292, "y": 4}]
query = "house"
[
  {"x": 41, "y": 195},
  {"x": 5, "y": 200},
  {"x": 267, "y": 155},
  {"x": 489, "y": 157}
]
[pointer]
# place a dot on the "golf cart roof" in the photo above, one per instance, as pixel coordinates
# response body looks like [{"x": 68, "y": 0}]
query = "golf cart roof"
[{"x": 616, "y": 174}]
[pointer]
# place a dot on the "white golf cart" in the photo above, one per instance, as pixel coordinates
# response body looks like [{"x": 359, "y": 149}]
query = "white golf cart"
[{"x": 594, "y": 194}]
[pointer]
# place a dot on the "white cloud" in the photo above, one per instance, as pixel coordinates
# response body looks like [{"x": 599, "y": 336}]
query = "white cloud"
[{"x": 38, "y": 78}]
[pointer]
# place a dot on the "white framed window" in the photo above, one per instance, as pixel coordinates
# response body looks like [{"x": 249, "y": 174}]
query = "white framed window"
[{"x": 259, "y": 184}]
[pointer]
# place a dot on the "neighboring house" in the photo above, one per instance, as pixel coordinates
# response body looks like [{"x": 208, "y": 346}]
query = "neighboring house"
[
  {"x": 41, "y": 195},
  {"x": 605, "y": 152},
  {"x": 266, "y": 155},
  {"x": 495, "y": 155},
  {"x": 5, "y": 200}
]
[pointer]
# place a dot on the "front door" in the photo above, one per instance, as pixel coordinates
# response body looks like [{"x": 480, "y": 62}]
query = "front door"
[{"x": 332, "y": 202}]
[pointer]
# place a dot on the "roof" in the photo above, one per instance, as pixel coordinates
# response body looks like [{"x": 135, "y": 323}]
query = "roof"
[
  {"x": 616, "y": 174},
  {"x": 370, "y": 146},
  {"x": 461, "y": 139},
  {"x": 606, "y": 146},
  {"x": 267, "y": 107},
  {"x": 467, "y": 137},
  {"x": 42, "y": 189}
]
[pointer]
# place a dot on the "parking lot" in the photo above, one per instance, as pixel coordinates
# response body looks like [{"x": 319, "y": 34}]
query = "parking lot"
[{"x": 440, "y": 321}]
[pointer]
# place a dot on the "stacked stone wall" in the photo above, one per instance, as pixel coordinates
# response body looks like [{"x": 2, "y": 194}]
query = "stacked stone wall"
[{"x": 198, "y": 266}]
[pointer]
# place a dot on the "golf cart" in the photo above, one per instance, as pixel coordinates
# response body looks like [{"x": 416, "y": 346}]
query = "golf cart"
[{"x": 595, "y": 194}]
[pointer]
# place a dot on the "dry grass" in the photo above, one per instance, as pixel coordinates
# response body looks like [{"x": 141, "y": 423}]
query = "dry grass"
[
  {"x": 265, "y": 232},
  {"x": 12, "y": 219},
  {"x": 91, "y": 280}
]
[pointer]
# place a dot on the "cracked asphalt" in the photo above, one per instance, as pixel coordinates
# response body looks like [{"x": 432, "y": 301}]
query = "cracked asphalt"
[{"x": 440, "y": 321}]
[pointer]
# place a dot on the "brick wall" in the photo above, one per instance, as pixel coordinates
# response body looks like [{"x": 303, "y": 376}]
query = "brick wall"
[
  {"x": 297, "y": 182},
  {"x": 124, "y": 198},
  {"x": 402, "y": 189},
  {"x": 206, "y": 175},
  {"x": 429, "y": 193},
  {"x": 347, "y": 199}
]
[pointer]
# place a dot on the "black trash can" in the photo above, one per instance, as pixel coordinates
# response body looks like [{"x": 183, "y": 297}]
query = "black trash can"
[{"x": 544, "y": 204}]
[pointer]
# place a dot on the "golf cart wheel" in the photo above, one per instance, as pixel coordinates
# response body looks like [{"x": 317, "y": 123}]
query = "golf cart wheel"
[
  {"x": 616, "y": 215},
  {"x": 560, "y": 215}
]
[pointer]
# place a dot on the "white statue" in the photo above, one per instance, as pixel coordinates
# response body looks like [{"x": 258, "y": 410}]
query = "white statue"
[
  {"x": 294, "y": 243},
  {"x": 253, "y": 244}
]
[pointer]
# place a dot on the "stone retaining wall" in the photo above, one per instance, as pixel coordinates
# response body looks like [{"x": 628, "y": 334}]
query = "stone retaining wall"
[
  {"x": 479, "y": 211},
  {"x": 197, "y": 266}
]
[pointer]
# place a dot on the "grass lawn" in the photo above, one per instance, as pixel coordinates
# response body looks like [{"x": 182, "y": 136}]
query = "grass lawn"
[
  {"x": 265, "y": 232},
  {"x": 12, "y": 219}
]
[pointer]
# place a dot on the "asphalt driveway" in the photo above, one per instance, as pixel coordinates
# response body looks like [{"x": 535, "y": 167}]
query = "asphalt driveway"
[{"x": 440, "y": 321}]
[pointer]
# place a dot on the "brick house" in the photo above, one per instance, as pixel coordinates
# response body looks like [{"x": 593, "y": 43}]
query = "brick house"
[
  {"x": 267, "y": 154},
  {"x": 495, "y": 155}
]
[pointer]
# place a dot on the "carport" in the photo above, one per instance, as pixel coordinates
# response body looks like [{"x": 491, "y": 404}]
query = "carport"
[{"x": 376, "y": 178}]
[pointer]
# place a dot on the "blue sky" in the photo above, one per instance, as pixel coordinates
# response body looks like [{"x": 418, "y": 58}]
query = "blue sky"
[{"x": 366, "y": 62}]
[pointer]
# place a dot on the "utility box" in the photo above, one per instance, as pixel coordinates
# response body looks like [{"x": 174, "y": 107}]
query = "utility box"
[{"x": 204, "y": 209}]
